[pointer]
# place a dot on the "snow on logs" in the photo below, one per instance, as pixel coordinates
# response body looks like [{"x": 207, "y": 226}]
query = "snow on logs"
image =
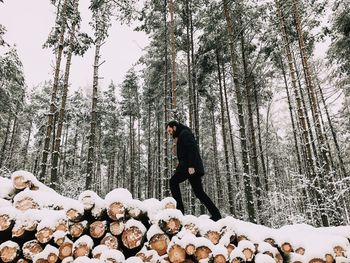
[{"x": 39, "y": 225}]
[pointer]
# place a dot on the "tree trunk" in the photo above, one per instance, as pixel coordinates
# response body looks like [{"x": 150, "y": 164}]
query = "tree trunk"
[
  {"x": 52, "y": 112},
  {"x": 262, "y": 158},
  {"x": 251, "y": 127},
  {"x": 164, "y": 182},
  {"x": 245, "y": 162},
  {"x": 235, "y": 163},
  {"x": 223, "y": 130},
  {"x": 4, "y": 144},
  {"x": 173, "y": 59},
  {"x": 310, "y": 86},
  {"x": 25, "y": 154},
  {"x": 291, "y": 118},
  {"x": 92, "y": 137},
  {"x": 57, "y": 144},
  {"x": 189, "y": 74},
  {"x": 217, "y": 175}
]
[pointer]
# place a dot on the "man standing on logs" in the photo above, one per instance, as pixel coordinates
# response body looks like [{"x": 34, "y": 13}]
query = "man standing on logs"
[{"x": 190, "y": 166}]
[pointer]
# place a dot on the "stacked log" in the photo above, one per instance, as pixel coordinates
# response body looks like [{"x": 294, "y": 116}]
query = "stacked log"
[{"x": 39, "y": 225}]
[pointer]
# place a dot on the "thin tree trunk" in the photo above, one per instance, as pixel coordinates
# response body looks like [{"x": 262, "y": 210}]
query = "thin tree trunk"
[
  {"x": 57, "y": 145},
  {"x": 52, "y": 112},
  {"x": 164, "y": 183},
  {"x": 235, "y": 166},
  {"x": 310, "y": 86},
  {"x": 92, "y": 137},
  {"x": 64, "y": 163},
  {"x": 291, "y": 118},
  {"x": 223, "y": 130},
  {"x": 262, "y": 158},
  {"x": 251, "y": 127},
  {"x": 25, "y": 154},
  {"x": 189, "y": 74},
  {"x": 334, "y": 134},
  {"x": 245, "y": 163},
  {"x": 173, "y": 59},
  {"x": 150, "y": 184},
  {"x": 194, "y": 86},
  {"x": 217, "y": 175},
  {"x": 4, "y": 144}
]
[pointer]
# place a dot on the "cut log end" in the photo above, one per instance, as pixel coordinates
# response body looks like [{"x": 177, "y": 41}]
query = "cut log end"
[
  {"x": 177, "y": 254},
  {"x": 9, "y": 254},
  {"x": 287, "y": 248},
  {"x": 116, "y": 228},
  {"x": 65, "y": 250},
  {"x": 97, "y": 229},
  {"x": 44, "y": 235},
  {"x": 31, "y": 248},
  {"x": 219, "y": 259},
  {"x": 5, "y": 222},
  {"x": 73, "y": 215},
  {"x": 132, "y": 237},
  {"x": 116, "y": 211},
  {"x": 171, "y": 226},
  {"x": 202, "y": 252},
  {"x": 159, "y": 243},
  {"x": 213, "y": 236},
  {"x": 110, "y": 241}
]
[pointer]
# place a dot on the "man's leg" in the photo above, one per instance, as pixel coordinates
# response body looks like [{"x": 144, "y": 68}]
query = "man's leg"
[
  {"x": 196, "y": 183},
  {"x": 174, "y": 183}
]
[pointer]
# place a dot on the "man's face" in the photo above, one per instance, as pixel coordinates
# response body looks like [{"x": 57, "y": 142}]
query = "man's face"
[{"x": 171, "y": 130}]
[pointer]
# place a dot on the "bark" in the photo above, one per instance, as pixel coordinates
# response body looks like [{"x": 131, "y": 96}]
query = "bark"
[
  {"x": 262, "y": 158},
  {"x": 235, "y": 163},
  {"x": 223, "y": 130},
  {"x": 173, "y": 59},
  {"x": 189, "y": 74},
  {"x": 25, "y": 158},
  {"x": 311, "y": 88},
  {"x": 245, "y": 163},
  {"x": 92, "y": 137},
  {"x": 57, "y": 145},
  {"x": 4, "y": 144},
  {"x": 251, "y": 127},
  {"x": 53, "y": 108},
  {"x": 295, "y": 136}
]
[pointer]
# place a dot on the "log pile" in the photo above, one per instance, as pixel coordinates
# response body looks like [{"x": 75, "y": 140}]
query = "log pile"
[{"x": 39, "y": 225}]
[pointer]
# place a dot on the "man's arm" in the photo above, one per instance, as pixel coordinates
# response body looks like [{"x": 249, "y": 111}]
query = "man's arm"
[{"x": 190, "y": 146}]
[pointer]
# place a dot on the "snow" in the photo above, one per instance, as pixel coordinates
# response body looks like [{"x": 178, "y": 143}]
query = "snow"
[
  {"x": 134, "y": 223},
  {"x": 112, "y": 253},
  {"x": 237, "y": 253},
  {"x": 6, "y": 190},
  {"x": 154, "y": 230},
  {"x": 120, "y": 195},
  {"x": 83, "y": 259},
  {"x": 206, "y": 225},
  {"x": 10, "y": 244},
  {"x": 4, "y": 202},
  {"x": 71, "y": 259},
  {"x": 85, "y": 239},
  {"x": 167, "y": 214},
  {"x": 59, "y": 234},
  {"x": 166, "y": 201},
  {"x": 243, "y": 244},
  {"x": 99, "y": 249},
  {"x": 264, "y": 247},
  {"x": 261, "y": 258},
  {"x": 45, "y": 253},
  {"x": 91, "y": 200},
  {"x": 30, "y": 177},
  {"x": 219, "y": 250},
  {"x": 133, "y": 260},
  {"x": 10, "y": 211}
]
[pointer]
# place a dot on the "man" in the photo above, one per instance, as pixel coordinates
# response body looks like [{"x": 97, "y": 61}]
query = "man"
[{"x": 190, "y": 166}]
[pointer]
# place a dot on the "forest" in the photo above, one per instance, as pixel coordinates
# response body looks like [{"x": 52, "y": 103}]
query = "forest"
[{"x": 270, "y": 115}]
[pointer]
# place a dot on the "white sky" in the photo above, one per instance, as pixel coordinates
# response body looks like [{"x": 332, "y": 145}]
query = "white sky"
[{"x": 28, "y": 24}]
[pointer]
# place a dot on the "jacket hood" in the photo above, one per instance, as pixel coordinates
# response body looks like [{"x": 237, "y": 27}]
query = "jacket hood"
[{"x": 179, "y": 128}]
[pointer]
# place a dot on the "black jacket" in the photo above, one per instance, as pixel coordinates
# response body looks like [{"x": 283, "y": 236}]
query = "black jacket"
[{"x": 187, "y": 151}]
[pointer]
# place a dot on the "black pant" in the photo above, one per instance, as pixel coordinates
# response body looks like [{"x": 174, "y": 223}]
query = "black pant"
[{"x": 196, "y": 183}]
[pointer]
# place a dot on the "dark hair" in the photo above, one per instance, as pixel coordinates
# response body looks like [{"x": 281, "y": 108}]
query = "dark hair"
[{"x": 171, "y": 124}]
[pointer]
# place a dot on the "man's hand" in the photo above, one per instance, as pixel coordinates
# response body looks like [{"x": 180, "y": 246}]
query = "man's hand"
[{"x": 191, "y": 170}]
